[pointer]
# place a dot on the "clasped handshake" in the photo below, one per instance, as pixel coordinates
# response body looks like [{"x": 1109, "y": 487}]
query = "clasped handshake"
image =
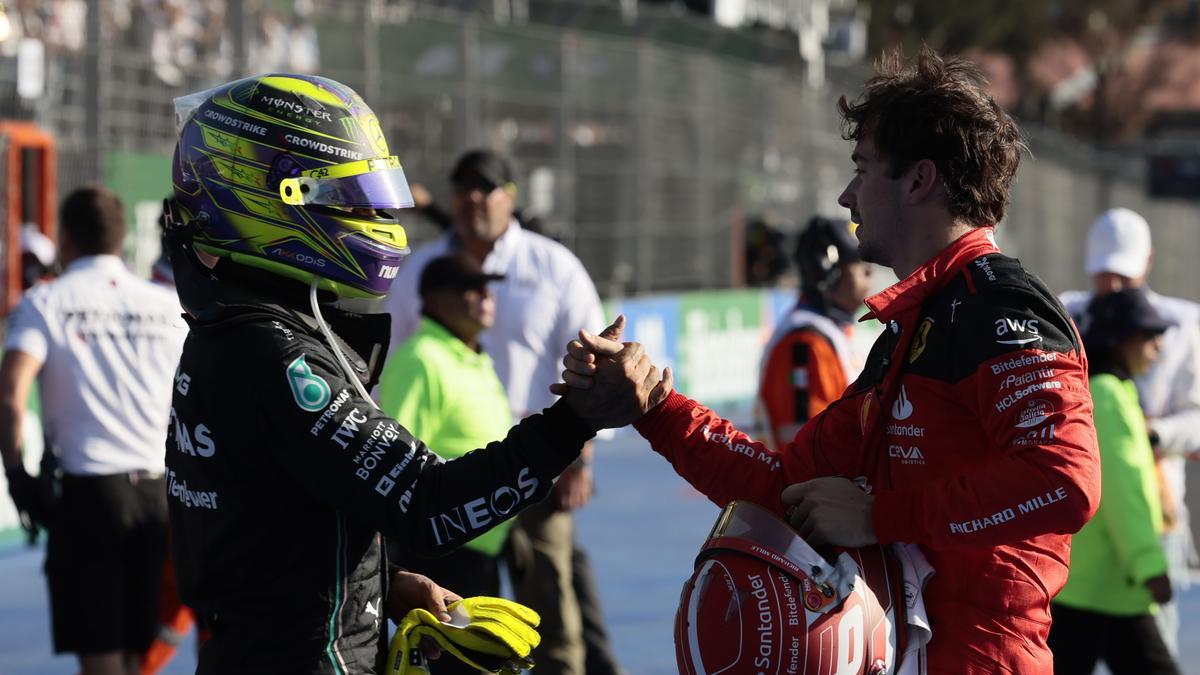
[{"x": 610, "y": 383}]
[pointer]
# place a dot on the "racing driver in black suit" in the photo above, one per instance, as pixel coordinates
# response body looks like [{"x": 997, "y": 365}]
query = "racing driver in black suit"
[{"x": 281, "y": 473}]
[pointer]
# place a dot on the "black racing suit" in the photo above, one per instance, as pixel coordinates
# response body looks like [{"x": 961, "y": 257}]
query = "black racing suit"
[{"x": 281, "y": 478}]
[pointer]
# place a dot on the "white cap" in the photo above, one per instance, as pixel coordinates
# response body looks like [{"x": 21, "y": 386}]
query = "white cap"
[
  {"x": 33, "y": 241},
  {"x": 1119, "y": 242}
]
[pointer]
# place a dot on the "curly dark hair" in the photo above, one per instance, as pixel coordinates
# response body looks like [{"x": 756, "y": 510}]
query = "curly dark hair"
[{"x": 937, "y": 109}]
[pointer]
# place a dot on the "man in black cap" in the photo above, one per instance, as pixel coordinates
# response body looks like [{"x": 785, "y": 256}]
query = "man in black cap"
[{"x": 544, "y": 300}]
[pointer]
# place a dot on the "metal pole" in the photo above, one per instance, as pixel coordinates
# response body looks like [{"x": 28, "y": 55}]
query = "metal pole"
[
  {"x": 643, "y": 243},
  {"x": 472, "y": 100},
  {"x": 370, "y": 50},
  {"x": 708, "y": 259},
  {"x": 96, "y": 70},
  {"x": 238, "y": 36},
  {"x": 568, "y": 174}
]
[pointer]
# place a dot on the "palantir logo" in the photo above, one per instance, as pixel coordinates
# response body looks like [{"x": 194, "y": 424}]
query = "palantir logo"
[
  {"x": 902, "y": 408},
  {"x": 310, "y": 391}
]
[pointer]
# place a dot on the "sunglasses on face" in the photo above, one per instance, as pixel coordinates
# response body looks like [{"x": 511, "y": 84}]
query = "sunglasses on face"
[{"x": 469, "y": 184}]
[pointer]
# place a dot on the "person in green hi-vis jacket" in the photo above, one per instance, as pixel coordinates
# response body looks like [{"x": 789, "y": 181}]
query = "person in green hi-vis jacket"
[
  {"x": 444, "y": 389},
  {"x": 1118, "y": 571}
]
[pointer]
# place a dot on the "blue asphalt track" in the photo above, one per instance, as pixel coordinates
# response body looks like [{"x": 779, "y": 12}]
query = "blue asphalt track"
[{"x": 642, "y": 529}]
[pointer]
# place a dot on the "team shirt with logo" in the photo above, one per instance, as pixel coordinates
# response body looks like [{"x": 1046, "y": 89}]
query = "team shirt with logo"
[{"x": 108, "y": 343}]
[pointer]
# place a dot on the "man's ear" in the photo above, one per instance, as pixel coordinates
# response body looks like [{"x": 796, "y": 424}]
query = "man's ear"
[{"x": 921, "y": 180}]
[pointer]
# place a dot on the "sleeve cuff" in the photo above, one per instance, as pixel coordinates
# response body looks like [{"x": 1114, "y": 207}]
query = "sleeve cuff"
[
  {"x": 675, "y": 403},
  {"x": 1159, "y": 433}
]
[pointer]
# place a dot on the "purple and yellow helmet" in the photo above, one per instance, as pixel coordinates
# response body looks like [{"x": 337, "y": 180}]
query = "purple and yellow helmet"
[{"x": 289, "y": 174}]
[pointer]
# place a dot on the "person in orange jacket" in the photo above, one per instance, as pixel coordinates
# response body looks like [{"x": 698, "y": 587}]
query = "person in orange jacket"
[{"x": 811, "y": 357}]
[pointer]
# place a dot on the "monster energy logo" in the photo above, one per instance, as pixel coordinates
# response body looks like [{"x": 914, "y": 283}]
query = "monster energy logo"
[
  {"x": 350, "y": 127},
  {"x": 296, "y": 108},
  {"x": 310, "y": 391}
]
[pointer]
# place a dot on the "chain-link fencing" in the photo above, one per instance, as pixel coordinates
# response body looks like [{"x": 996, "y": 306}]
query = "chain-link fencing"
[{"x": 645, "y": 156}]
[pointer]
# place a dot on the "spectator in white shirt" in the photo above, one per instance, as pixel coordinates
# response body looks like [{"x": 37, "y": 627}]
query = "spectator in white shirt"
[
  {"x": 103, "y": 345},
  {"x": 1119, "y": 256}
]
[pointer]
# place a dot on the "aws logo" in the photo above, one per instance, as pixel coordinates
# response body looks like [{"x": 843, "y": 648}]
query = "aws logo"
[{"x": 1029, "y": 327}]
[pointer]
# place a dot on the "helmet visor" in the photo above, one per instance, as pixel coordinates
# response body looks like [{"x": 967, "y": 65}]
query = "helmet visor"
[
  {"x": 768, "y": 537},
  {"x": 369, "y": 183}
]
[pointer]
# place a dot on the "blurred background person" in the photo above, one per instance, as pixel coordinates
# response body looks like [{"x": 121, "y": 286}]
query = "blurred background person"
[
  {"x": 765, "y": 259},
  {"x": 811, "y": 358},
  {"x": 161, "y": 271},
  {"x": 103, "y": 345},
  {"x": 37, "y": 256},
  {"x": 1118, "y": 569},
  {"x": 441, "y": 385},
  {"x": 546, "y": 297},
  {"x": 38, "y": 263},
  {"x": 1119, "y": 256}
]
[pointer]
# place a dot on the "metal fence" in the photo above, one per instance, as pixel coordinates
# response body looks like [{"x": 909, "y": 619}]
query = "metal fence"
[{"x": 644, "y": 156}]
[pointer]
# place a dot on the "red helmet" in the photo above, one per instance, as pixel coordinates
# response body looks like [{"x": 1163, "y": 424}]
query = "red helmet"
[{"x": 763, "y": 601}]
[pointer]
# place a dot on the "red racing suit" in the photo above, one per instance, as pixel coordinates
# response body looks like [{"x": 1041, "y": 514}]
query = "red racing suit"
[{"x": 971, "y": 425}]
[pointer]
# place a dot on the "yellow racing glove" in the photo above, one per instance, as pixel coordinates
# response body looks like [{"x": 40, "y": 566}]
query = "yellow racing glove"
[{"x": 491, "y": 634}]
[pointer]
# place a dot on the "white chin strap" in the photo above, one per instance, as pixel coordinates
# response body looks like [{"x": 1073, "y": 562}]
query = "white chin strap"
[{"x": 333, "y": 344}]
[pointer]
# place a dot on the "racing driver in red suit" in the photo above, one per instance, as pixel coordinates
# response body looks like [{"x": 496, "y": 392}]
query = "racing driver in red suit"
[{"x": 970, "y": 431}]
